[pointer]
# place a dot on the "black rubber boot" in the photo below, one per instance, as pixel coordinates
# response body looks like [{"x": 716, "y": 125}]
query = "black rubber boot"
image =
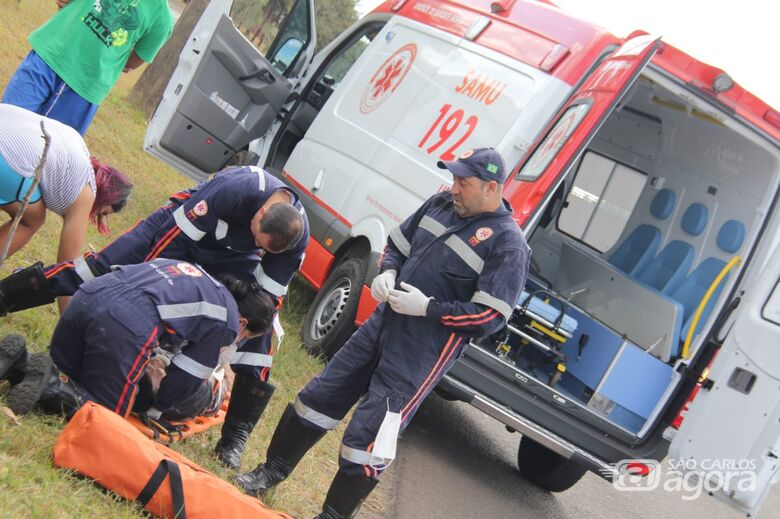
[
  {"x": 345, "y": 496},
  {"x": 248, "y": 400},
  {"x": 26, "y": 288},
  {"x": 44, "y": 385},
  {"x": 13, "y": 358},
  {"x": 291, "y": 440}
]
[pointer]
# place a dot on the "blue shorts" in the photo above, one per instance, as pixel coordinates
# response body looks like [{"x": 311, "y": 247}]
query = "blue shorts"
[
  {"x": 36, "y": 87},
  {"x": 14, "y": 186}
]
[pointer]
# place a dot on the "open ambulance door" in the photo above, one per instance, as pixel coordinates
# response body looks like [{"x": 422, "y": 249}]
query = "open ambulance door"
[
  {"x": 577, "y": 123},
  {"x": 729, "y": 441},
  {"x": 224, "y": 93}
]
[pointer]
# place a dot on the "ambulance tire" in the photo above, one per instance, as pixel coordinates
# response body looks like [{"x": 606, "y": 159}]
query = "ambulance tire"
[
  {"x": 330, "y": 320},
  {"x": 545, "y": 468}
]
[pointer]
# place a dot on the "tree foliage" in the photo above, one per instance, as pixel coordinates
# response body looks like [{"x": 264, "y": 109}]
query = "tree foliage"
[{"x": 260, "y": 20}]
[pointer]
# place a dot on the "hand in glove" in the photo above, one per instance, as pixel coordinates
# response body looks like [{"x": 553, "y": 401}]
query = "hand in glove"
[
  {"x": 382, "y": 285},
  {"x": 409, "y": 301}
]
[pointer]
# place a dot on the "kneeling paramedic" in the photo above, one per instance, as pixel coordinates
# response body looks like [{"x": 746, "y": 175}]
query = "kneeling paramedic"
[
  {"x": 102, "y": 343},
  {"x": 451, "y": 272},
  {"x": 243, "y": 222}
]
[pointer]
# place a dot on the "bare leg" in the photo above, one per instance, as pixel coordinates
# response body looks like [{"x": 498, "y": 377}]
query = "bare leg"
[{"x": 31, "y": 221}]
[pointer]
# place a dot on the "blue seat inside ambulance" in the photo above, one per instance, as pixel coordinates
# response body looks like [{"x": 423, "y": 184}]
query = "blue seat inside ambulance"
[
  {"x": 549, "y": 312},
  {"x": 636, "y": 251},
  {"x": 692, "y": 290},
  {"x": 668, "y": 270}
]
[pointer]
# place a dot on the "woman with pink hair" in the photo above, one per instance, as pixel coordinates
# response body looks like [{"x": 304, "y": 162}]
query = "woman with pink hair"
[{"x": 74, "y": 185}]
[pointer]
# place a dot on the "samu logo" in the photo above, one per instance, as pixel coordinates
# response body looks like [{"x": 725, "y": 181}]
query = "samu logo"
[{"x": 387, "y": 78}]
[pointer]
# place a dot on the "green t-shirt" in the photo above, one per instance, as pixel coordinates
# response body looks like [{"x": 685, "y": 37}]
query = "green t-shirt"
[{"x": 87, "y": 42}]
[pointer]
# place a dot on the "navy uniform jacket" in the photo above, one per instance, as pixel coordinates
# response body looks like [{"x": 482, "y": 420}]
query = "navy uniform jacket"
[
  {"x": 215, "y": 215},
  {"x": 189, "y": 304},
  {"x": 474, "y": 268}
]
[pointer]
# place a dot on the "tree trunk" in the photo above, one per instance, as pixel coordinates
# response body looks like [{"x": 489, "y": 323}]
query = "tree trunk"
[{"x": 148, "y": 90}]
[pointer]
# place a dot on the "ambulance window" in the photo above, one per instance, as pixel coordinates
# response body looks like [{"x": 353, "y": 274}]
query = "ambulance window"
[
  {"x": 553, "y": 142},
  {"x": 261, "y": 22},
  {"x": 340, "y": 65},
  {"x": 600, "y": 201}
]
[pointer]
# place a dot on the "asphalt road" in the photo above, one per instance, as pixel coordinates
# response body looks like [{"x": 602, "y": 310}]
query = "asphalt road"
[{"x": 455, "y": 462}]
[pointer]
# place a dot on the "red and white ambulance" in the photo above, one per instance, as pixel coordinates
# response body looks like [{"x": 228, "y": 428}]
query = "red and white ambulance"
[{"x": 645, "y": 181}]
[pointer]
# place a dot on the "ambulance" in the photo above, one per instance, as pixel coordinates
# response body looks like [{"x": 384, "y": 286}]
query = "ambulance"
[{"x": 645, "y": 181}]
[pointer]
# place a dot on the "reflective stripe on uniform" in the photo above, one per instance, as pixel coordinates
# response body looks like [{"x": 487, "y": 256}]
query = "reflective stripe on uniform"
[
  {"x": 221, "y": 230},
  {"x": 359, "y": 457},
  {"x": 261, "y": 177},
  {"x": 82, "y": 269},
  {"x": 181, "y": 310},
  {"x": 193, "y": 367},
  {"x": 493, "y": 302},
  {"x": 310, "y": 415},
  {"x": 401, "y": 242},
  {"x": 248, "y": 358},
  {"x": 269, "y": 284},
  {"x": 186, "y": 226},
  {"x": 465, "y": 253},
  {"x": 432, "y": 226}
]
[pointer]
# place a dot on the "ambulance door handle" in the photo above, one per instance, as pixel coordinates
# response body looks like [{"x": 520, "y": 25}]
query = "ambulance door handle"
[{"x": 318, "y": 180}]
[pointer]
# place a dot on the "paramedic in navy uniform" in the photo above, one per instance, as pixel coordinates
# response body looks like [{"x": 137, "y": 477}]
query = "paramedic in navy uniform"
[
  {"x": 243, "y": 222},
  {"x": 102, "y": 343},
  {"x": 451, "y": 272}
]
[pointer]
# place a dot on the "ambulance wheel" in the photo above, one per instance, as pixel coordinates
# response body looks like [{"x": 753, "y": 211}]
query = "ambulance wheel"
[
  {"x": 545, "y": 468},
  {"x": 330, "y": 320}
]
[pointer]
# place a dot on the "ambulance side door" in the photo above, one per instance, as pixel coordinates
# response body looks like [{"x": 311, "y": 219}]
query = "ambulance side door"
[
  {"x": 224, "y": 93},
  {"x": 575, "y": 125},
  {"x": 729, "y": 440}
]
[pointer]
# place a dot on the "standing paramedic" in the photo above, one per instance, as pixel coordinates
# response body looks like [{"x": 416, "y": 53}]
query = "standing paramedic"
[
  {"x": 102, "y": 343},
  {"x": 451, "y": 272},
  {"x": 79, "y": 53},
  {"x": 243, "y": 222}
]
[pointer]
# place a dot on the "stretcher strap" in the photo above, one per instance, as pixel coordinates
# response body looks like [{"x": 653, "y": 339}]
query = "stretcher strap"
[{"x": 165, "y": 468}]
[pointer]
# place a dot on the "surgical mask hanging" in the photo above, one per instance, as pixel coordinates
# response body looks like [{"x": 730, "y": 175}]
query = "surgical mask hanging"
[{"x": 387, "y": 437}]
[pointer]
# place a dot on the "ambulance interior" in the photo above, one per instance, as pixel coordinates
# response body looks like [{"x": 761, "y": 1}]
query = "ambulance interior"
[{"x": 630, "y": 246}]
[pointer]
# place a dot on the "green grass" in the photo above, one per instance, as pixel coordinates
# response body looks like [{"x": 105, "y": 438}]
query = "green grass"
[{"x": 29, "y": 485}]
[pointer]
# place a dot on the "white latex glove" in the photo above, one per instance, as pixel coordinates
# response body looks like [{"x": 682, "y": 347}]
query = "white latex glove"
[
  {"x": 382, "y": 285},
  {"x": 409, "y": 301}
]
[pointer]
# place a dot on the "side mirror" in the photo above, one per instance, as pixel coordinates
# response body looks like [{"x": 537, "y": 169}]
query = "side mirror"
[{"x": 286, "y": 54}]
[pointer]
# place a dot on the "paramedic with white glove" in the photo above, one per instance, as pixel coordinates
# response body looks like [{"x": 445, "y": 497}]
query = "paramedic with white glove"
[{"x": 461, "y": 261}]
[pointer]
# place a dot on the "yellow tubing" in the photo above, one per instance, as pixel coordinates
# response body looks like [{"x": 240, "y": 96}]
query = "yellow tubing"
[{"x": 736, "y": 260}]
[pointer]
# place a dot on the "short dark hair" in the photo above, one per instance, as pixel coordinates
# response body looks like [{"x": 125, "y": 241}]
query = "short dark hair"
[
  {"x": 284, "y": 224},
  {"x": 254, "y": 304}
]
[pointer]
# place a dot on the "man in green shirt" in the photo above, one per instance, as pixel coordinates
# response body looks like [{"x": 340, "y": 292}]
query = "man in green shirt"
[{"x": 78, "y": 54}]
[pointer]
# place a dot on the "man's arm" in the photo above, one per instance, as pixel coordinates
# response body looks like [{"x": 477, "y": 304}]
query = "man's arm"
[
  {"x": 193, "y": 220},
  {"x": 498, "y": 288},
  {"x": 133, "y": 62},
  {"x": 183, "y": 388}
]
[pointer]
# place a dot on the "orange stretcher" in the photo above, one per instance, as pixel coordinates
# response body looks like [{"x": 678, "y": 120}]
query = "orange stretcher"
[{"x": 184, "y": 430}]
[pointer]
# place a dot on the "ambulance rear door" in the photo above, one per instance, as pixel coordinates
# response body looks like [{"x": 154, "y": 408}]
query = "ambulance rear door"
[
  {"x": 224, "y": 93},
  {"x": 729, "y": 441},
  {"x": 576, "y": 124}
]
